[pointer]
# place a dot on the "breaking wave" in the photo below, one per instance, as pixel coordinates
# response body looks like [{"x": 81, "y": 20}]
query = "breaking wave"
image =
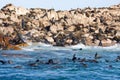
[{"x": 39, "y": 46}]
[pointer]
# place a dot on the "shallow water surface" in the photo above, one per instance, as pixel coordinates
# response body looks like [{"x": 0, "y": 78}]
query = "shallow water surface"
[{"x": 21, "y": 68}]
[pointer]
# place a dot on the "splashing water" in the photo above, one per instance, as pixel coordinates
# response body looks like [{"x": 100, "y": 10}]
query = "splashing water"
[{"x": 23, "y": 67}]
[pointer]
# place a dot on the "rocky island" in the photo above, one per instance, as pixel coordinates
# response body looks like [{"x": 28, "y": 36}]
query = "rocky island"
[{"x": 89, "y": 26}]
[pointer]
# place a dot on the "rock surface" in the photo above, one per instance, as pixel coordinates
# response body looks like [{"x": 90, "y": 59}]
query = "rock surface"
[{"x": 90, "y": 26}]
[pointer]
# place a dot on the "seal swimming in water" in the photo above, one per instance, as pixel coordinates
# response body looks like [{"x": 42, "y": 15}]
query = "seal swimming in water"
[
  {"x": 6, "y": 62},
  {"x": 3, "y": 62},
  {"x": 33, "y": 64},
  {"x": 117, "y": 59},
  {"x": 97, "y": 56},
  {"x": 92, "y": 60},
  {"x": 36, "y": 63},
  {"x": 74, "y": 58},
  {"x": 82, "y": 60},
  {"x": 110, "y": 66},
  {"x": 84, "y": 65},
  {"x": 18, "y": 67},
  {"x": 50, "y": 61},
  {"x": 10, "y": 62}
]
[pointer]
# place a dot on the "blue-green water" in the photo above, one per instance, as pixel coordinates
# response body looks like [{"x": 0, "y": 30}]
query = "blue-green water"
[{"x": 65, "y": 68}]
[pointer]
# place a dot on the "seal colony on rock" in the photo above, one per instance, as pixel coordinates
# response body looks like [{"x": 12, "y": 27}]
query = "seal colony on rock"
[{"x": 89, "y": 26}]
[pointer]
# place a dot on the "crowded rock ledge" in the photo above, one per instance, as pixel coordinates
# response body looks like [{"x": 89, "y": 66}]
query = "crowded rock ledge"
[{"x": 89, "y": 26}]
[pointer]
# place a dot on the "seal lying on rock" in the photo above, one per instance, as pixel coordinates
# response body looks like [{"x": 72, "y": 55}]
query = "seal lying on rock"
[
  {"x": 5, "y": 43},
  {"x": 19, "y": 38}
]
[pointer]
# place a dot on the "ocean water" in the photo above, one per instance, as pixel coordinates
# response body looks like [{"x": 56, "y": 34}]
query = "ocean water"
[{"x": 107, "y": 68}]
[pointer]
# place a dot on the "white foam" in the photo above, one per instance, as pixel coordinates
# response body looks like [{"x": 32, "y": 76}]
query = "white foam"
[
  {"x": 78, "y": 46},
  {"x": 115, "y": 47},
  {"x": 43, "y": 46}
]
